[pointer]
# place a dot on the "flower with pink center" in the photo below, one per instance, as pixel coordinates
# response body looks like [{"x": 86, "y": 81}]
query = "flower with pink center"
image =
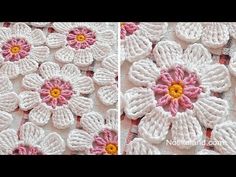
[
  {"x": 31, "y": 141},
  {"x": 21, "y": 50},
  {"x": 98, "y": 136},
  {"x": 81, "y": 43},
  {"x": 174, "y": 93},
  {"x": 127, "y": 28}
]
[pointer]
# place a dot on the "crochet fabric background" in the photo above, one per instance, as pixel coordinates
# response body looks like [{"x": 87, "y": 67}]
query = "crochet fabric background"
[{"x": 129, "y": 128}]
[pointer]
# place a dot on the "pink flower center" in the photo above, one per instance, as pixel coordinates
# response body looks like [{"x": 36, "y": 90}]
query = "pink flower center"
[
  {"x": 81, "y": 38},
  {"x": 127, "y": 28},
  {"x": 105, "y": 143},
  {"x": 15, "y": 49},
  {"x": 26, "y": 150},
  {"x": 176, "y": 90},
  {"x": 56, "y": 92}
]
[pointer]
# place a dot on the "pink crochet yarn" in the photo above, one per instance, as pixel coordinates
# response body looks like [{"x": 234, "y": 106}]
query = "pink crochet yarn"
[
  {"x": 127, "y": 28},
  {"x": 26, "y": 150},
  {"x": 15, "y": 49},
  {"x": 56, "y": 92},
  {"x": 105, "y": 143},
  {"x": 81, "y": 38},
  {"x": 177, "y": 89}
]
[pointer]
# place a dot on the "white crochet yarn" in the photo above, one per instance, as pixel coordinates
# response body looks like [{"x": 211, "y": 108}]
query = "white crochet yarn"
[
  {"x": 139, "y": 44},
  {"x": 82, "y": 56},
  {"x": 62, "y": 116},
  {"x": 40, "y": 24},
  {"x": 224, "y": 136},
  {"x": 93, "y": 125},
  {"x": 213, "y": 35},
  {"x": 207, "y": 152},
  {"x": 37, "y": 53},
  {"x": 139, "y": 146},
  {"x": 232, "y": 63},
  {"x": 106, "y": 78},
  {"x": 207, "y": 109},
  {"x": 31, "y": 136}
]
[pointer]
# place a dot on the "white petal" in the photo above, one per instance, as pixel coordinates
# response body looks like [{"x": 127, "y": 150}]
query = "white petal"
[
  {"x": 143, "y": 73},
  {"x": 139, "y": 146},
  {"x": 100, "y": 50},
  {"x": 167, "y": 53},
  {"x": 28, "y": 100},
  {"x": 27, "y": 66},
  {"x": 215, "y": 35},
  {"x": 232, "y": 29},
  {"x": 210, "y": 110},
  {"x": 216, "y": 77},
  {"x": 224, "y": 137},
  {"x": 8, "y": 102},
  {"x": 196, "y": 55},
  {"x": 186, "y": 130},
  {"x": 8, "y": 141},
  {"x": 32, "y": 81},
  {"x": 6, "y": 85},
  {"x": 79, "y": 140},
  {"x": 108, "y": 95},
  {"x": 56, "y": 40},
  {"x": 136, "y": 47},
  {"x": 40, "y": 53},
  {"x": 155, "y": 125},
  {"x": 49, "y": 69},
  {"x": 232, "y": 63},
  {"x": 62, "y": 117},
  {"x": 207, "y": 152},
  {"x": 40, "y": 24},
  {"x": 11, "y": 69},
  {"x": 70, "y": 71},
  {"x": 65, "y": 55},
  {"x": 189, "y": 32},
  {"x": 153, "y": 30},
  {"x": 112, "y": 119},
  {"x": 40, "y": 114},
  {"x": 122, "y": 54},
  {"x": 80, "y": 105},
  {"x": 38, "y": 37},
  {"x": 52, "y": 144},
  {"x": 106, "y": 36},
  {"x": 83, "y": 57},
  {"x": 62, "y": 27},
  {"x": 5, "y": 120},
  {"x": 92, "y": 122},
  {"x": 31, "y": 134},
  {"x": 5, "y": 33},
  {"x": 111, "y": 63},
  {"x": 139, "y": 101},
  {"x": 83, "y": 84},
  {"x": 21, "y": 29},
  {"x": 103, "y": 76}
]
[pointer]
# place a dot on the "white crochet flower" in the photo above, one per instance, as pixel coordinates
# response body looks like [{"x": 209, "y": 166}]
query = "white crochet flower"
[
  {"x": 21, "y": 49},
  {"x": 8, "y": 102},
  {"x": 137, "y": 38},
  {"x": 32, "y": 141},
  {"x": 56, "y": 94},
  {"x": 106, "y": 77},
  {"x": 212, "y": 35},
  {"x": 99, "y": 135},
  {"x": 40, "y": 24},
  {"x": 177, "y": 92},
  {"x": 207, "y": 152},
  {"x": 81, "y": 43}
]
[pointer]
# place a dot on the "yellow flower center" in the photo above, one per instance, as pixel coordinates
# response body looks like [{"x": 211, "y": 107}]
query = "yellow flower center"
[
  {"x": 80, "y": 38},
  {"x": 15, "y": 49},
  {"x": 122, "y": 24},
  {"x": 111, "y": 149},
  {"x": 55, "y": 93},
  {"x": 176, "y": 90}
]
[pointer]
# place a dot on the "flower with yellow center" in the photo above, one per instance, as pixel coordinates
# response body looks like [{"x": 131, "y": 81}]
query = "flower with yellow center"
[
  {"x": 55, "y": 93},
  {"x": 111, "y": 149},
  {"x": 15, "y": 49},
  {"x": 122, "y": 24},
  {"x": 80, "y": 38},
  {"x": 175, "y": 90}
]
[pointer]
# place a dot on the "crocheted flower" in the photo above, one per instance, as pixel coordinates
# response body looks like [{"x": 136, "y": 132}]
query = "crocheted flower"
[
  {"x": 137, "y": 38},
  {"x": 99, "y": 135},
  {"x": 106, "y": 76},
  {"x": 177, "y": 92},
  {"x": 212, "y": 35},
  {"x": 40, "y": 24},
  {"x": 31, "y": 141},
  {"x": 57, "y": 93},
  {"x": 80, "y": 42},
  {"x": 8, "y": 102},
  {"x": 21, "y": 50}
]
